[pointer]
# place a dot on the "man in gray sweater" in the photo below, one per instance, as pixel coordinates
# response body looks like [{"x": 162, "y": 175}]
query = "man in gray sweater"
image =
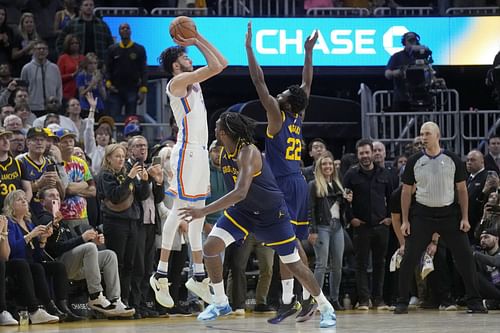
[{"x": 43, "y": 77}]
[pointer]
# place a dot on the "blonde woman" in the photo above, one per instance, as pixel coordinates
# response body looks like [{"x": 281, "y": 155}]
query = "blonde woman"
[
  {"x": 22, "y": 50},
  {"x": 328, "y": 201}
]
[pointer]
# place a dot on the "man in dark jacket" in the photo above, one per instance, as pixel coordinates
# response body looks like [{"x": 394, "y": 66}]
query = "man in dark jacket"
[{"x": 83, "y": 260}]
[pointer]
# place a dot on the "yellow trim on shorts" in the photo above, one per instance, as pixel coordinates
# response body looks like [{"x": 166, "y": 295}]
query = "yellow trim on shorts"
[
  {"x": 291, "y": 239},
  {"x": 257, "y": 173},
  {"x": 299, "y": 223},
  {"x": 236, "y": 224}
]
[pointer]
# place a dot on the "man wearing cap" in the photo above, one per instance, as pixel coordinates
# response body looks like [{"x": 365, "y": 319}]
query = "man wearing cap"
[
  {"x": 11, "y": 176},
  {"x": 38, "y": 169},
  {"x": 81, "y": 185},
  {"x": 488, "y": 263}
]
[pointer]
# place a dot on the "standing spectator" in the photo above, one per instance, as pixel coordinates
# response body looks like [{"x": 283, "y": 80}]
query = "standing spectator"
[
  {"x": 74, "y": 111},
  {"x": 44, "y": 79},
  {"x": 95, "y": 144},
  {"x": 379, "y": 155},
  {"x": 81, "y": 184},
  {"x": 45, "y": 13},
  {"x": 23, "y": 111},
  {"x": 90, "y": 79},
  {"x": 17, "y": 144},
  {"x": 476, "y": 190},
  {"x": 24, "y": 45},
  {"x": 316, "y": 148},
  {"x": 64, "y": 16},
  {"x": 69, "y": 65},
  {"x": 126, "y": 74},
  {"x": 328, "y": 202},
  {"x": 6, "y": 37},
  {"x": 371, "y": 187},
  {"x": 93, "y": 33},
  {"x": 439, "y": 176},
  {"x": 492, "y": 159},
  {"x": 121, "y": 194}
]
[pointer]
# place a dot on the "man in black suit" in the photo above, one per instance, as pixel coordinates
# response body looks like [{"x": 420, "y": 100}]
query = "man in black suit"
[
  {"x": 477, "y": 189},
  {"x": 492, "y": 159}
]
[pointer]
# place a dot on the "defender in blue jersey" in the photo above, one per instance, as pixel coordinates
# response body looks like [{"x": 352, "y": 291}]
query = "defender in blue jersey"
[
  {"x": 254, "y": 204},
  {"x": 283, "y": 151}
]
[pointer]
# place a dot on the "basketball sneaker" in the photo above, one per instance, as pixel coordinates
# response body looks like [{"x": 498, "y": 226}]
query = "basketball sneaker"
[
  {"x": 159, "y": 283},
  {"x": 309, "y": 306},
  {"x": 328, "y": 318},
  {"x": 213, "y": 311},
  {"x": 285, "y": 311},
  {"x": 200, "y": 289}
]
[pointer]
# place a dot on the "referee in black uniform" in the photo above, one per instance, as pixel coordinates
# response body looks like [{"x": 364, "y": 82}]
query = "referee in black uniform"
[{"x": 437, "y": 174}]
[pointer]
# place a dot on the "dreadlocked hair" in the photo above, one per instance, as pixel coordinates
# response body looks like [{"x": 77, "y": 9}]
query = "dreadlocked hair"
[
  {"x": 297, "y": 99},
  {"x": 238, "y": 126},
  {"x": 169, "y": 56}
]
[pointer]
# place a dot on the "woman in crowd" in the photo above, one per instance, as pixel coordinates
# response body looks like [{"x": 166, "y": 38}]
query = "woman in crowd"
[
  {"x": 121, "y": 193},
  {"x": 22, "y": 50},
  {"x": 6, "y": 318},
  {"x": 27, "y": 242},
  {"x": 95, "y": 143},
  {"x": 23, "y": 111},
  {"x": 69, "y": 65},
  {"x": 73, "y": 112},
  {"x": 328, "y": 201},
  {"x": 64, "y": 16},
  {"x": 90, "y": 79},
  {"x": 6, "y": 37}
]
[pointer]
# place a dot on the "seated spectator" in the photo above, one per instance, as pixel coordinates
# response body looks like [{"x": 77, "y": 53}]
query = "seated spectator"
[
  {"x": 6, "y": 318},
  {"x": 81, "y": 184},
  {"x": 24, "y": 45},
  {"x": 6, "y": 37},
  {"x": 51, "y": 118},
  {"x": 96, "y": 143},
  {"x": 17, "y": 143},
  {"x": 130, "y": 131},
  {"x": 90, "y": 79},
  {"x": 23, "y": 111},
  {"x": 69, "y": 65},
  {"x": 44, "y": 79},
  {"x": 64, "y": 16},
  {"x": 27, "y": 242},
  {"x": 82, "y": 258},
  {"x": 5, "y": 111},
  {"x": 13, "y": 123},
  {"x": 6, "y": 79},
  {"x": 488, "y": 263}
]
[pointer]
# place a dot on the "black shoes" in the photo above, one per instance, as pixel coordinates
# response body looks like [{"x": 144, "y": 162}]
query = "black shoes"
[{"x": 401, "y": 308}]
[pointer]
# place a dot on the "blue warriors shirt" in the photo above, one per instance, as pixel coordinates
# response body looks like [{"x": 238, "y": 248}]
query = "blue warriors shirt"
[
  {"x": 263, "y": 195},
  {"x": 33, "y": 171},
  {"x": 283, "y": 150}
]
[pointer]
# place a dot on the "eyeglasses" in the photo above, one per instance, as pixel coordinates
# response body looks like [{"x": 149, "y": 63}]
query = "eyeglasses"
[{"x": 42, "y": 48}]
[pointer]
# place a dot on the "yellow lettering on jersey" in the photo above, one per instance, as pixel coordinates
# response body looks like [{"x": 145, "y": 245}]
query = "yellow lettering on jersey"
[
  {"x": 230, "y": 169},
  {"x": 10, "y": 176},
  {"x": 294, "y": 129}
]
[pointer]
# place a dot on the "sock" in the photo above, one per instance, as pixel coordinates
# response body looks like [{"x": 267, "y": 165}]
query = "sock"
[
  {"x": 287, "y": 294},
  {"x": 305, "y": 294},
  {"x": 219, "y": 293},
  {"x": 323, "y": 303},
  {"x": 162, "y": 267},
  {"x": 198, "y": 269}
]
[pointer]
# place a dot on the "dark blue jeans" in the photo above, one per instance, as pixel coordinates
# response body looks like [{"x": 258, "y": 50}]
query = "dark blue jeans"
[{"x": 116, "y": 101}]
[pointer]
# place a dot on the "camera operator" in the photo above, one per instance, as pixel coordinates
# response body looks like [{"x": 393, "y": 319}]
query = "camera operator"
[
  {"x": 488, "y": 263},
  {"x": 396, "y": 69},
  {"x": 493, "y": 79}
]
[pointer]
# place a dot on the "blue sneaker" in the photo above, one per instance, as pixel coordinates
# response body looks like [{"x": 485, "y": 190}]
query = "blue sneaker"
[
  {"x": 328, "y": 318},
  {"x": 213, "y": 311}
]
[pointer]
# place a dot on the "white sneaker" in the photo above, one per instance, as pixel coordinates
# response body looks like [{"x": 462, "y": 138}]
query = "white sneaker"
[
  {"x": 102, "y": 305},
  {"x": 413, "y": 301},
  {"x": 162, "y": 294},
  {"x": 121, "y": 310},
  {"x": 6, "y": 319},
  {"x": 201, "y": 289},
  {"x": 41, "y": 316},
  {"x": 238, "y": 312}
]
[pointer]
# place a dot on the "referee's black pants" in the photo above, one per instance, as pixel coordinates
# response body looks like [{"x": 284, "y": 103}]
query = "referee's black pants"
[{"x": 424, "y": 221}]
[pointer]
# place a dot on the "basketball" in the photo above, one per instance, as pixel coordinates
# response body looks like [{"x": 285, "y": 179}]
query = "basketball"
[{"x": 183, "y": 26}]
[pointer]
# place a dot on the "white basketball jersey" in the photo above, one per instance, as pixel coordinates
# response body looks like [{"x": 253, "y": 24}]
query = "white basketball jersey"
[{"x": 191, "y": 116}]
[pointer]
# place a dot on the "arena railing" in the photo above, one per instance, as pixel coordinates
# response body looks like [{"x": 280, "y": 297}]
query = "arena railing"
[
  {"x": 256, "y": 8},
  {"x": 403, "y": 11},
  {"x": 477, "y": 127},
  {"x": 338, "y": 11},
  {"x": 457, "y": 11},
  {"x": 176, "y": 11},
  {"x": 120, "y": 11}
]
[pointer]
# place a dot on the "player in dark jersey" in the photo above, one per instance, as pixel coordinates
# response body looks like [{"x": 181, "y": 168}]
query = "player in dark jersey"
[
  {"x": 254, "y": 204},
  {"x": 11, "y": 176},
  {"x": 283, "y": 152}
]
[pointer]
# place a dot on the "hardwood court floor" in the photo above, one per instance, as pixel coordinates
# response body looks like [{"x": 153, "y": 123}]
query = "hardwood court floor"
[{"x": 348, "y": 321}]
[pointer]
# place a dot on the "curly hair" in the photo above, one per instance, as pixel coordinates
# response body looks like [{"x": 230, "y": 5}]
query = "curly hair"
[
  {"x": 238, "y": 126},
  {"x": 297, "y": 99},
  {"x": 169, "y": 56}
]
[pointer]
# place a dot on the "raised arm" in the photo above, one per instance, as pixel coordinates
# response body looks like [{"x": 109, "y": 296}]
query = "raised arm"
[
  {"x": 180, "y": 83},
  {"x": 274, "y": 119},
  {"x": 307, "y": 71}
]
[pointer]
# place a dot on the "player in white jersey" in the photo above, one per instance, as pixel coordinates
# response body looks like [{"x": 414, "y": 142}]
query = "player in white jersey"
[{"x": 189, "y": 161}]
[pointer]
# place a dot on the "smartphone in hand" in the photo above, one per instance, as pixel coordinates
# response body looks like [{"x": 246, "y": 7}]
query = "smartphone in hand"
[{"x": 56, "y": 205}]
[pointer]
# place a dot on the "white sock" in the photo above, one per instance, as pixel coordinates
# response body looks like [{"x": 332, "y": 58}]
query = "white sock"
[
  {"x": 219, "y": 293},
  {"x": 323, "y": 303},
  {"x": 198, "y": 269},
  {"x": 305, "y": 293},
  {"x": 162, "y": 267},
  {"x": 287, "y": 294}
]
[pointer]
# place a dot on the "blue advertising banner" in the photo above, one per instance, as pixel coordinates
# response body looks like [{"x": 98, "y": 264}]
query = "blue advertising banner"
[{"x": 341, "y": 42}]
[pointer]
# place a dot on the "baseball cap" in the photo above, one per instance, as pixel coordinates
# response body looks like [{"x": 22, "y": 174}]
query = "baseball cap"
[
  {"x": 63, "y": 132},
  {"x": 213, "y": 145},
  {"x": 131, "y": 129},
  {"x": 490, "y": 231},
  {"x": 131, "y": 118},
  {"x": 35, "y": 131},
  {"x": 3, "y": 131}
]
